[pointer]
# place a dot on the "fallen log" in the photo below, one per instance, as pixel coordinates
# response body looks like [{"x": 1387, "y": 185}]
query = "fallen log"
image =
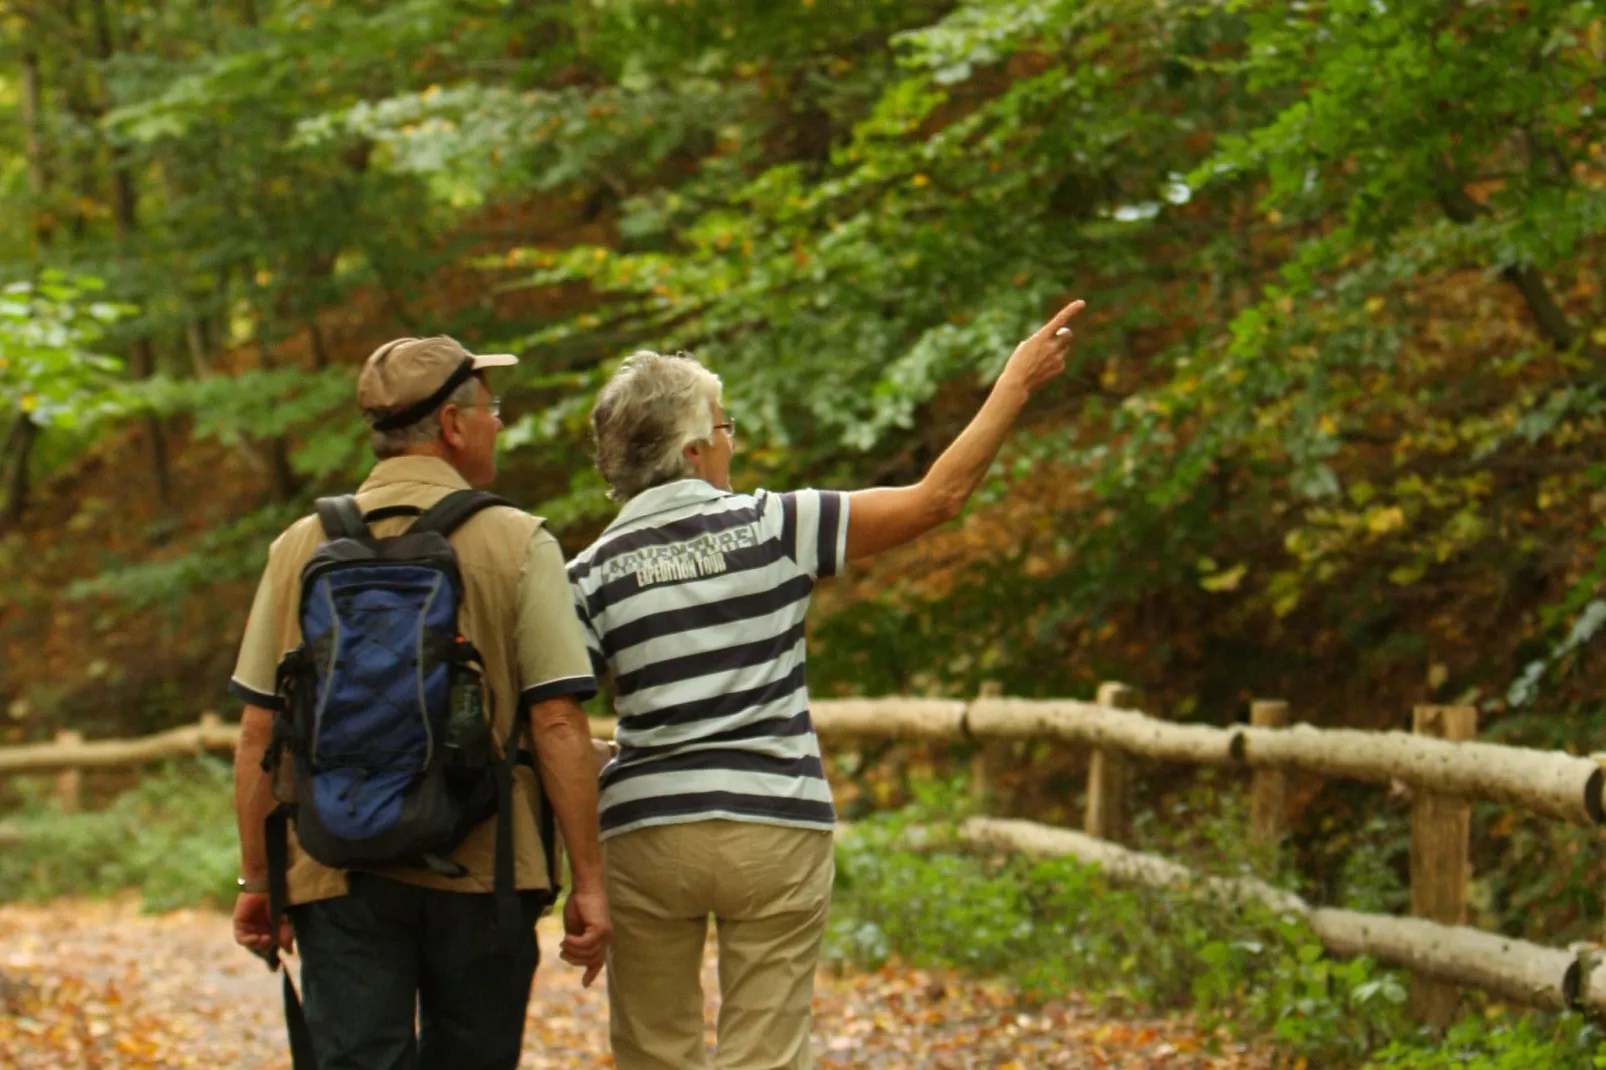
[
  {"x": 10, "y": 836},
  {"x": 1523, "y": 972}
]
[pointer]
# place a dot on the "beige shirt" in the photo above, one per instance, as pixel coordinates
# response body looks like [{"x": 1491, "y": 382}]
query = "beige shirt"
[{"x": 517, "y": 611}]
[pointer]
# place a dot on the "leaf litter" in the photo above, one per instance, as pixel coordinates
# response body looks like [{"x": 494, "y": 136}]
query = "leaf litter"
[{"x": 97, "y": 985}]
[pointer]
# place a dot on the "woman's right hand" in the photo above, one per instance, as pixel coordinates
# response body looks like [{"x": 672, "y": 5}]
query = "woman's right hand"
[{"x": 1038, "y": 360}]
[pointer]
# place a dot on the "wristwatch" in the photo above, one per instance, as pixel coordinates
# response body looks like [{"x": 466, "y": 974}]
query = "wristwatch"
[{"x": 255, "y": 887}]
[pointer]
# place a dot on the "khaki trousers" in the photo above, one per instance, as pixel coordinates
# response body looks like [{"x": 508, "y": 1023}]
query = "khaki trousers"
[{"x": 769, "y": 889}]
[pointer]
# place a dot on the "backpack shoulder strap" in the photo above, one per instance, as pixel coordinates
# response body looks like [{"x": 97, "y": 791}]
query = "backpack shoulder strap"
[
  {"x": 448, "y": 514},
  {"x": 386, "y": 512},
  {"x": 341, "y": 518}
]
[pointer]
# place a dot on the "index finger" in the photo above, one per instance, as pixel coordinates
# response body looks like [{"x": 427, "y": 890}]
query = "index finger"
[{"x": 1064, "y": 316}]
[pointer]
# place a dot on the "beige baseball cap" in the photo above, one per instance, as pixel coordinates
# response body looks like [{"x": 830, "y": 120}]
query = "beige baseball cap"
[{"x": 405, "y": 380}]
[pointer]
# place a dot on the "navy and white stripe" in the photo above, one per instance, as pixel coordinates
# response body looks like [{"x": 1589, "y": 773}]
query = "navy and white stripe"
[{"x": 694, "y": 601}]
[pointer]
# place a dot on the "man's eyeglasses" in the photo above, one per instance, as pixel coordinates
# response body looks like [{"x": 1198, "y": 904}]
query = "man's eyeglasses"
[
  {"x": 494, "y": 406},
  {"x": 729, "y": 427}
]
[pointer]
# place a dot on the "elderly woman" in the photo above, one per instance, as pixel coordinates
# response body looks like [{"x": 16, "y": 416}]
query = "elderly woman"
[{"x": 694, "y": 600}]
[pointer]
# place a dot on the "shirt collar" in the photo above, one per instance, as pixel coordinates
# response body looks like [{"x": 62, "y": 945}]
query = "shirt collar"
[
  {"x": 666, "y": 496},
  {"x": 414, "y": 468}
]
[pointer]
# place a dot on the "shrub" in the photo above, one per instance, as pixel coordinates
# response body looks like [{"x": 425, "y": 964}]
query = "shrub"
[{"x": 172, "y": 837}]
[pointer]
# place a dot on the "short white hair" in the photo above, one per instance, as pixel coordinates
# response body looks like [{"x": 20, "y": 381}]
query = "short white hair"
[
  {"x": 388, "y": 444},
  {"x": 647, "y": 414}
]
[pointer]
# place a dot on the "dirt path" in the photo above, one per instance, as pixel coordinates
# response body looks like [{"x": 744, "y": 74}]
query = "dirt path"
[{"x": 101, "y": 987}]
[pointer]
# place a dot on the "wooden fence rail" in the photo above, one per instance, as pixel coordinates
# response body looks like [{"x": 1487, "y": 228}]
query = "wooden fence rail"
[
  {"x": 1443, "y": 773},
  {"x": 1544, "y": 782},
  {"x": 1517, "y": 970}
]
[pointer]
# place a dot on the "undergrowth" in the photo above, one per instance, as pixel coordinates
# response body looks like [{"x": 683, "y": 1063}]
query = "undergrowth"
[
  {"x": 172, "y": 837},
  {"x": 907, "y": 890}
]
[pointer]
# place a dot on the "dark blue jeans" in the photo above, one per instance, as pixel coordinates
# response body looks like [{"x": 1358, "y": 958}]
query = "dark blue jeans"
[{"x": 388, "y": 954}]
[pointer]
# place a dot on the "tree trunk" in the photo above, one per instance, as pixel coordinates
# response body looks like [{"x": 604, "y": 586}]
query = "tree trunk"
[
  {"x": 19, "y": 449},
  {"x": 80, "y": 102},
  {"x": 281, "y": 476},
  {"x": 33, "y": 142},
  {"x": 125, "y": 213},
  {"x": 320, "y": 349},
  {"x": 19, "y": 444},
  {"x": 285, "y": 483}
]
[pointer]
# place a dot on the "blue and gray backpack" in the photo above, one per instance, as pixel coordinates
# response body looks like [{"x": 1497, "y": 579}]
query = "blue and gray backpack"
[{"x": 385, "y": 716}]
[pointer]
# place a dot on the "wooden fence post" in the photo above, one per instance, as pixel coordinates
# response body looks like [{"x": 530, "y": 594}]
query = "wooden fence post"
[
  {"x": 69, "y": 782},
  {"x": 981, "y": 781},
  {"x": 1109, "y": 809},
  {"x": 1269, "y": 786},
  {"x": 1441, "y": 840}
]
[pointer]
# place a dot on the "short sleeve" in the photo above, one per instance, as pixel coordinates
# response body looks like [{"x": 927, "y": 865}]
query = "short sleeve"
[
  {"x": 813, "y": 528},
  {"x": 256, "y": 669},
  {"x": 588, "y": 631},
  {"x": 553, "y": 659}
]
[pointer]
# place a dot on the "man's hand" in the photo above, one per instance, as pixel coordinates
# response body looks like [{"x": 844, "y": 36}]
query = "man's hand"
[
  {"x": 601, "y": 754},
  {"x": 251, "y": 926},
  {"x": 588, "y": 932},
  {"x": 1038, "y": 361}
]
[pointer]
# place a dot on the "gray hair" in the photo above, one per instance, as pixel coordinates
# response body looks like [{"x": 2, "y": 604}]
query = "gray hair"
[
  {"x": 652, "y": 409},
  {"x": 388, "y": 444}
]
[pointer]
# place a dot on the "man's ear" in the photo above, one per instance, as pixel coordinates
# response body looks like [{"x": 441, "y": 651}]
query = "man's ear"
[{"x": 452, "y": 427}]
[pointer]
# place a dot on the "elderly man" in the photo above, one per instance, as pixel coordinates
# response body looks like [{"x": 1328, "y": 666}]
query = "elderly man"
[
  {"x": 694, "y": 600},
  {"x": 422, "y": 908}
]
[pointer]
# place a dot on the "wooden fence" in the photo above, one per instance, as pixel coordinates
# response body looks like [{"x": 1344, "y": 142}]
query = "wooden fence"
[{"x": 1443, "y": 766}]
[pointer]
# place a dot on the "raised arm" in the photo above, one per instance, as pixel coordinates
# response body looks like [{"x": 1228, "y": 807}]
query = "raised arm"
[{"x": 884, "y": 517}]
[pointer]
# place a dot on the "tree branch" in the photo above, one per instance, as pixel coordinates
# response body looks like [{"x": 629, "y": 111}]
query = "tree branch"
[{"x": 1553, "y": 323}]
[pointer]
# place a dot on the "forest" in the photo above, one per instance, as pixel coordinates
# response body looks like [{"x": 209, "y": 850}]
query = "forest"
[{"x": 1332, "y": 430}]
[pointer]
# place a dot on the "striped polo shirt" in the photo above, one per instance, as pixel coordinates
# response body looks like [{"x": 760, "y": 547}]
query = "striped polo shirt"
[{"x": 693, "y": 600}]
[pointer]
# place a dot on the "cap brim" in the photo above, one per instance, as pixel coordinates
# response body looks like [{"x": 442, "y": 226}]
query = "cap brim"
[{"x": 494, "y": 360}]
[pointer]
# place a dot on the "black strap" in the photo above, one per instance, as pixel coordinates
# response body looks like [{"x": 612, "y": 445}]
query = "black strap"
[
  {"x": 442, "y": 866},
  {"x": 417, "y": 411},
  {"x": 549, "y": 828},
  {"x": 387, "y": 512},
  {"x": 302, "y": 1056},
  {"x": 448, "y": 514},
  {"x": 341, "y": 518},
  {"x": 509, "y": 912},
  {"x": 549, "y": 844},
  {"x": 276, "y": 831}
]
